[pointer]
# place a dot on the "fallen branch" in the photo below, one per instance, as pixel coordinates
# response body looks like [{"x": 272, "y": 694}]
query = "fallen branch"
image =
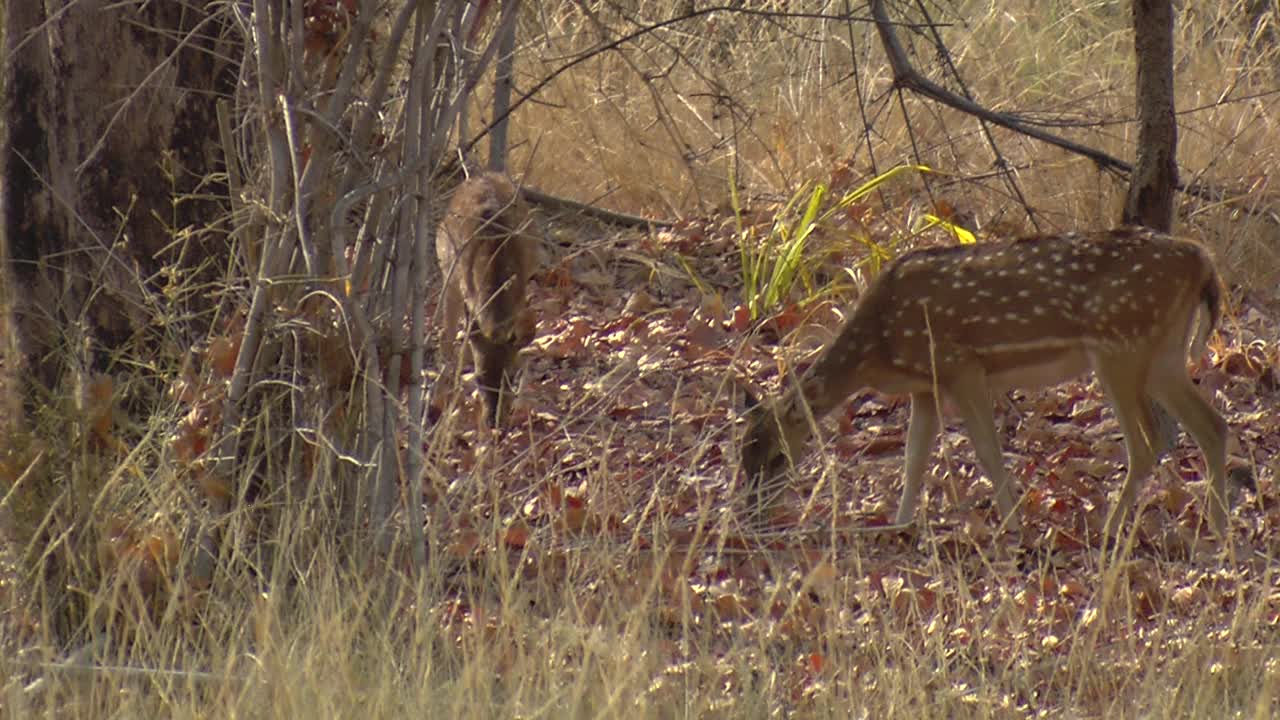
[{"x": 552, "y": 202}]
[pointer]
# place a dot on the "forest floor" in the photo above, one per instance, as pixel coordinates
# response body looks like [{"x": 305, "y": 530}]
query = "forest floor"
[
  {"x": 596, "y": 558},
  {"x": 626, "y": 424}
]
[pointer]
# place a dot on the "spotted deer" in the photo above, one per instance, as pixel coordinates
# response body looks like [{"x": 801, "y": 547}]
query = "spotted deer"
[
  {"x": 486, "y": 256},
  {"x": 970, "y": 321}
]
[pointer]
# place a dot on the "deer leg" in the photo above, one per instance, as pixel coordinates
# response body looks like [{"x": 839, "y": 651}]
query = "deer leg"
[
  {"x": 495, "y": 371},
  {"x": 1172, "y": 387},
  {"x": 449, "y": 361},
  {"x": 922, "y": 432},
  {"x": 1166, "y": 427},
  {"x": 973, "y": 399},
  {"x": 1123, "y": 380},
  {"x": 451, "y": 311}
]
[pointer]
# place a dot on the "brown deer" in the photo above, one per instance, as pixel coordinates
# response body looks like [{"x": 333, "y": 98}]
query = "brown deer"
[
  {"x": 973, "y": 320},
  {"x": 486, "y": 256}
]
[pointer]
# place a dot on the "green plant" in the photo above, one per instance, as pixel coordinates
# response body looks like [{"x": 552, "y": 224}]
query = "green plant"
[{"x": 772, "y": 263}]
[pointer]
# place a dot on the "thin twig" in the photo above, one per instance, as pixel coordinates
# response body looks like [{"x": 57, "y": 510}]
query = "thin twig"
[
  {"x": 636, "y": 34},
  {"x": 73, "y": 668}
]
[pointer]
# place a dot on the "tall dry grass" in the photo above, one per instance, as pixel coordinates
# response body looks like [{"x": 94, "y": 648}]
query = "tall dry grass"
[
  {"x": 603, "y": 636},
  {"x": 656, "y": 130},
  {"x": 590, "y": 625}
]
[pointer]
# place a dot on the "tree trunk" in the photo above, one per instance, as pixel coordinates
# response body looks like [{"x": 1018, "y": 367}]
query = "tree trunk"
[
  {"x": 108, "y": 120},
  {"x": 106, "y": 132},
  {"x": 1155, "y": 173}
]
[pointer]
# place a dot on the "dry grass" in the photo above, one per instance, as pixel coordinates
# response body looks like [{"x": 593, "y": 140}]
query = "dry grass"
[
  {"x": 790, "y": 113},
  {"x": 649, "y": 600},
  {"x": 602, "y": 637}
]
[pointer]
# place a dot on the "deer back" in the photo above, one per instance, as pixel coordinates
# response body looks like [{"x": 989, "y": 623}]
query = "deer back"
[{"x": 487, "y": 255}]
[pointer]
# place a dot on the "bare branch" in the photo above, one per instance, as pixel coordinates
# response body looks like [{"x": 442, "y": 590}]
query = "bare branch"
[
  {"x": 631, "y": 36},
  {"x": 906, "y": 76}
]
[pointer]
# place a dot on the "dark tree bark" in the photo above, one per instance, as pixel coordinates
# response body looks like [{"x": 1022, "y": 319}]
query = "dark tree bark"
[
  {"x": 108, "y": 119},
  {"x": 107, "y": 130},
  {"x": 1155, "y": 173}
]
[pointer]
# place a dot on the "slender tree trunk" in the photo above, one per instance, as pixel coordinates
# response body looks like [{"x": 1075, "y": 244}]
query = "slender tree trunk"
[
  {"x": 1155, "y": 173},
  {"x": 108, "y": 119},
  {"x": 502, "y": 86}
]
